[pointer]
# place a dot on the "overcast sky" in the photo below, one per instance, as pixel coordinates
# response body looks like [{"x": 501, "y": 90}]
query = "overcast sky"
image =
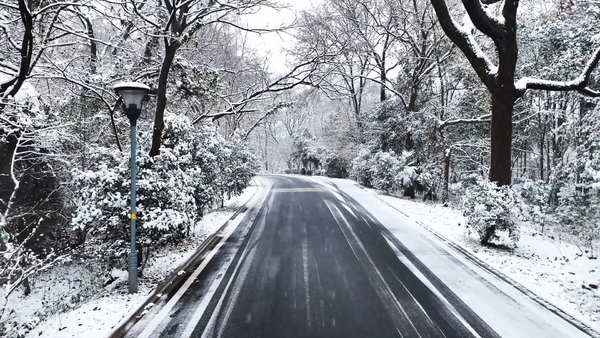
[{"x": 272, "y": 43}]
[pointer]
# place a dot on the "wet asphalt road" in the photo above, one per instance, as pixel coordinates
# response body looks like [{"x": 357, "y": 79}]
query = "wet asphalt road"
[{"x": 313, "y": 263}]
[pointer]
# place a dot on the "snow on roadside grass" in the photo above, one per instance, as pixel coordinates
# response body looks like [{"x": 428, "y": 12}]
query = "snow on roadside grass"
[
  {"x": 551, "y": 267},
  {"x": 109, "y": 304}
]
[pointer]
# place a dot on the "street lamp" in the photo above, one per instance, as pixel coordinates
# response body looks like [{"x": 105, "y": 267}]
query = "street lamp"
[{"x": 132, "y": 94}]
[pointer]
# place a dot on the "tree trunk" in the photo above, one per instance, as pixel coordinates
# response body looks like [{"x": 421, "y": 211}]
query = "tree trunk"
[
  {"x": 549, "y": 165},
  {"x": 542, "y": 141},
  {"x": 503, "y": 94},
  {"x": 412, "y": 101},
  {"x": 161, "y": 97},
  {"x": 14, "y": 85},
  {"x": 524, "y": 164},
  {"x": 446, "y": 181},
  {"x": 501, "y": 147},
  {"x": 383, "y": 79}
]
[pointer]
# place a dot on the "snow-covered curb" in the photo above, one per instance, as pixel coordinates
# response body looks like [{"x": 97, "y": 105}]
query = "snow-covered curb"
[
  {"x": 550, "y": 268},
  {"x": 98, "y": 316}
]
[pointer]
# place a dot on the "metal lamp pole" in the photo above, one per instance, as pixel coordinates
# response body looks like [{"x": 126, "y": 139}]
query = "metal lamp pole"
[{"x": 133, "y": 94}]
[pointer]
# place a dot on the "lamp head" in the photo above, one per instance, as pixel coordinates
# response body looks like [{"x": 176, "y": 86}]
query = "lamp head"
[{"x": 133, "y": 94}]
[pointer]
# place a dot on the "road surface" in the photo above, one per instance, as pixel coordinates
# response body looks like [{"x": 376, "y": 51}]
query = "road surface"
[{"x": 309, "y": 261}]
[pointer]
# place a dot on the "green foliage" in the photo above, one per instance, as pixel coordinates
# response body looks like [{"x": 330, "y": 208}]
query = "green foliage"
[
  {"x": 337, "y": 167},
  {"x": 577, "y": 184},
  {"x": 385, "y": 127},
  {"x": 194, "y": 171},
  {"x": 490, "y": 209}
]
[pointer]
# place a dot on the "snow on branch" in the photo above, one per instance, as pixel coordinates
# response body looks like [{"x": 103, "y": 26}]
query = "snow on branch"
[
  {"x": 483, "y": 20},
  {"x": 300, "y": 74},
  {"x": 462, "y": 37},
  {"x": 580, "y": 83},
  {"x": 271, "y": 111},
  {"x": 482, "y": 119}
]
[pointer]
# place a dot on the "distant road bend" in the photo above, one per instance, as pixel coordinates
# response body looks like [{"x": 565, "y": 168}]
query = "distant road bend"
[{"x": 308, "y": 260}]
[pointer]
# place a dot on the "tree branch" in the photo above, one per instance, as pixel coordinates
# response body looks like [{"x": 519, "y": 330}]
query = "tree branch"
[
  {"x": 580, "y": 83},
  {"x": 269, "y": 112},
  {"x": 483, "y": 20},
  {"x": 467, "y": 44},
  {"x": 482, "y": 119}
]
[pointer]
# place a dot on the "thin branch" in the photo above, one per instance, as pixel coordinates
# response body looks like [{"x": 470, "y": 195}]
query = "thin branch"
[{"x": 482, "y": 119}]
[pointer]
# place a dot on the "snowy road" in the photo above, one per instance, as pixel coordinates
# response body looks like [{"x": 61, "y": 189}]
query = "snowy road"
[{"x": 308, "y": 260}]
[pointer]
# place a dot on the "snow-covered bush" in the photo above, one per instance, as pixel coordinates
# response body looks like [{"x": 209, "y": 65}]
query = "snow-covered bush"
[
  {"x": 388, "y": 172},
  {"x": 579, "y": 212},
  {"x": 428, "y": 182},
  {"x": 490, "y": 209},
  {"x": 578, "y": 209},
  {"x": 576, "y": 185},
  {"x": 194, "y": 171},
  {"x": 239, "y": 166},
  {"x": 337, "y": 167},
  {"x": 361, "y": 170},
  {"x": 534, "y": 206},
  {"x": 407, "y": 177},
  {"x": 532, "y": 192},
  {"x": 384, "y": 167}
]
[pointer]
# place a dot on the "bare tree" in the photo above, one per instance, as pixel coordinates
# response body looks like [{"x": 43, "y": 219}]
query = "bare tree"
[
  {"x": 176, "y": 22},
  {"x": 330, "y": 29},
  {"x": 18, "y": 22}
]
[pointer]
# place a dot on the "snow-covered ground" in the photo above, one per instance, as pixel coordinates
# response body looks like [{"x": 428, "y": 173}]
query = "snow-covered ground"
[
  {"x": 61, "y": 290},
  {"x": 552, "y": 268}
]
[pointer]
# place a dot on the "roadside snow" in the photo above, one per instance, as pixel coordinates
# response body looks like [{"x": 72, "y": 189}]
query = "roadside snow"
[
  {"x": 551, "y": 267},
  {"x": 89, "y": 306}
]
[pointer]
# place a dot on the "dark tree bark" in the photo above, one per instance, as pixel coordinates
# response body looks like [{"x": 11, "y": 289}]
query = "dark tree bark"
[
  {"x": 12, "y": 86},
  {"x": 446, "y": 177},
  {"x": 383, "y": 79},
  {"x": 161, "y": 95},
  {"x": 500, "y": 81}
]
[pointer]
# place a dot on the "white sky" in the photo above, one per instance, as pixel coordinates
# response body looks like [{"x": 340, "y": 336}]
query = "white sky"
[{"x": 272, "y": 43}]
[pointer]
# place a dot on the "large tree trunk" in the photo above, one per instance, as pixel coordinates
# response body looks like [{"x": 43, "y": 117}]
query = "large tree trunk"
[
  {"x": 502, "y": 108},
  {"x": 161, "y": 97}
]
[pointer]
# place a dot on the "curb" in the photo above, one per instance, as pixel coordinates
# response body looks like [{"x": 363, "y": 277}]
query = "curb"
[
  {"x": 481, "y": 264},
  {"x": 177, "y": 277}
]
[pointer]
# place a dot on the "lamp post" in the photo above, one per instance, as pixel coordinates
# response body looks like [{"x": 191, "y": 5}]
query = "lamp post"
[{"x": 132, "y": 94}]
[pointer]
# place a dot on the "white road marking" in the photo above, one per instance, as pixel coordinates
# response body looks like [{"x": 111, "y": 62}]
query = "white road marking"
[
  {"x": 431, "y": 287},
  {"x": 227, "y": 232},
  {"x": 384, "y": 292},
  {"x": 247, "y": 257},
  {"x": 165, "y": 311},
  {"x": 305, "y": 268}
]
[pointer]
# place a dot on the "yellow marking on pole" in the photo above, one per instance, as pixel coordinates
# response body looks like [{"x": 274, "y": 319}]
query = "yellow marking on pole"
[{"x": 133, "y": 216}]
